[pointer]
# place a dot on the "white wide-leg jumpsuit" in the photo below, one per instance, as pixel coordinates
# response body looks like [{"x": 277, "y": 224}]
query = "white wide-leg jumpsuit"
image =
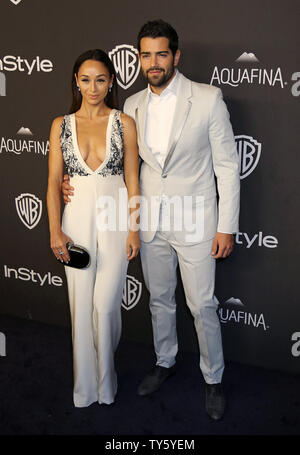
[{"x": 95, "y": 293}]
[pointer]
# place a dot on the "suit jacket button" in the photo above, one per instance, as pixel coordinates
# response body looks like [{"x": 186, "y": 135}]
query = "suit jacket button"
[{"x": 164, "y": 176}]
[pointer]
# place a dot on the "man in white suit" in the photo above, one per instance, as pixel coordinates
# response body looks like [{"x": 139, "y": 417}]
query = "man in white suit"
[{"x": 185, "y": 139}]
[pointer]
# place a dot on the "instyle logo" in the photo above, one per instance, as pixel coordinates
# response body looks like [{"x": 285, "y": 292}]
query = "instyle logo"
[
  {"x": 296, "y": 345},
  {"x": 236, "y": 76},
  {"x": 131, "y": 293},
  {"x": 232, "y": 311},
  {"x": 258, "y": 239},
  {"x": 126, "y": 63},
  {"x": 20, "y": 146},
  {"x": 24, "y": 274},
  {"x": 2, "y": 345},
  {"x": 13, "y": 63},
  {"x": 29, "y": 208},
  {"x": 249, "y": 150}
]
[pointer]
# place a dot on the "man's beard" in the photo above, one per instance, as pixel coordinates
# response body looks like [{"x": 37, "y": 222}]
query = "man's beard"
[{"x": 162, "y": 79}]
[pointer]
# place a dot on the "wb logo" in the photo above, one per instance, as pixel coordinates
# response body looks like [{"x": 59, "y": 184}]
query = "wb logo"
[
  {"x": 131, "y": 293},
  {"x": 2, "y": 84},
  {"x": 249, "y": 151},
  {"x": 29, "y": 209},
  {"x": 126, "y": 63},
  {"x": 2, "y": 345}
]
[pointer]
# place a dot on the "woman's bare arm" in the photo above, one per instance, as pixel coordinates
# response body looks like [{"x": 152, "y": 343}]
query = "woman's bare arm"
[
  {"x": 58, "y": 239},
  {"x": 131, "y": 173}
]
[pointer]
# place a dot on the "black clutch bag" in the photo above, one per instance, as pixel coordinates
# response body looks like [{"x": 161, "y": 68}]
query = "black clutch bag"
[{"x": 79, "y": 256}]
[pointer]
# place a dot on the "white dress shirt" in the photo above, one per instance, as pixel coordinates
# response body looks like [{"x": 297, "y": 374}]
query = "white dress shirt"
[{"x": 159, "y": 119}]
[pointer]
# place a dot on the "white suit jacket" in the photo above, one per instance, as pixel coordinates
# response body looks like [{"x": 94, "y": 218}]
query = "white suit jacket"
[{"x": 201, "y": 146}]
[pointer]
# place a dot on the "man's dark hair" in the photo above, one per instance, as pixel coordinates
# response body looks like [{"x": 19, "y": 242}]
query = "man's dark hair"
[{"x": 157, "y": 29}]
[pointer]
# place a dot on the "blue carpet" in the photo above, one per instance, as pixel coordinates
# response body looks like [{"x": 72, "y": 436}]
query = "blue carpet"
[{"x": 36, "y": 392}]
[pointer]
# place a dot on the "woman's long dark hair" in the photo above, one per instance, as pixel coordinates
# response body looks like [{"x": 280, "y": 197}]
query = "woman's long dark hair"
[{"x": 111, "y": 98}]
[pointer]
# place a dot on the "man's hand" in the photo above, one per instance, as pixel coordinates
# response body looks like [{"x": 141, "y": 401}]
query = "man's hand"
[
  {"x": 66, "y": 189},
  {"x": 222, "y": 245}
]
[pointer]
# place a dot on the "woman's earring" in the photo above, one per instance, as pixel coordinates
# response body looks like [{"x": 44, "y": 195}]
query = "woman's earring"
[
  {"x": 109, "y": 88},
  {"x": 78, "y": 88}
]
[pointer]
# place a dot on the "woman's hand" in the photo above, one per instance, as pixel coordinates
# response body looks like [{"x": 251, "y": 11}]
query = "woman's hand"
[
  {"x": 133, "y": 244},
  {"x": 58, "y": 243}
]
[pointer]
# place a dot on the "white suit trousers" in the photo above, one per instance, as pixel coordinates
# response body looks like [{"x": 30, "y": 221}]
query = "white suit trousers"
[
  {"x": 160, "y": 258},
  {"x": 95, "y": 293}
]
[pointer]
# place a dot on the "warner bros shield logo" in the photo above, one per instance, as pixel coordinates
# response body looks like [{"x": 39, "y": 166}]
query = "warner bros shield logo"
[
  {"x": 131, "y": 293},
  {"x": 127, "y": 65},
  {"x": 29, "y": 209},
  {"x": 249, "y": 151},
  {"x": 15, "y": 2}
]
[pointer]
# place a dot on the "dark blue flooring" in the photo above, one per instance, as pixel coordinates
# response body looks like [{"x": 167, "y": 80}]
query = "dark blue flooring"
[{"x": 36, "y": 393}]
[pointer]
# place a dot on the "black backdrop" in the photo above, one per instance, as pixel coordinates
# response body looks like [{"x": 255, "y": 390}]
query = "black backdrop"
[{"x": 248, "y": 48}]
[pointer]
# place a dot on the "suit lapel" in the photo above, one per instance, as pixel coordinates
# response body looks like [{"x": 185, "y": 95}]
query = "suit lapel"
[
  {"x": 140, "y": 120},
  {"x": 140, "y": 116},
  {"x": 183, "y": 106}
]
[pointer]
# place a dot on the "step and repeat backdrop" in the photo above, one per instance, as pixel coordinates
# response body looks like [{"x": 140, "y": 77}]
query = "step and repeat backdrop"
[{"x": 250, "y": 49}]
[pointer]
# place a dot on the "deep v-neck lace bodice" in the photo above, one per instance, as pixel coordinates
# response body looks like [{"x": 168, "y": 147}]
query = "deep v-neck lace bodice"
[{"x": 114, "y": 157}]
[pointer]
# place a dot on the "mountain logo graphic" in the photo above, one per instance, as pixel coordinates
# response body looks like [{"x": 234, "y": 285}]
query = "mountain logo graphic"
[
  {"x": 247, "y": 57},
  {"x": 234, "y": 301},
  {"x": 25, "y": 131}
]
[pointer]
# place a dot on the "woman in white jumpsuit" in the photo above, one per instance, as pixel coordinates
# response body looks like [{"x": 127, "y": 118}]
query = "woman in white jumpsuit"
[{"x": 97, "y": 144}]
